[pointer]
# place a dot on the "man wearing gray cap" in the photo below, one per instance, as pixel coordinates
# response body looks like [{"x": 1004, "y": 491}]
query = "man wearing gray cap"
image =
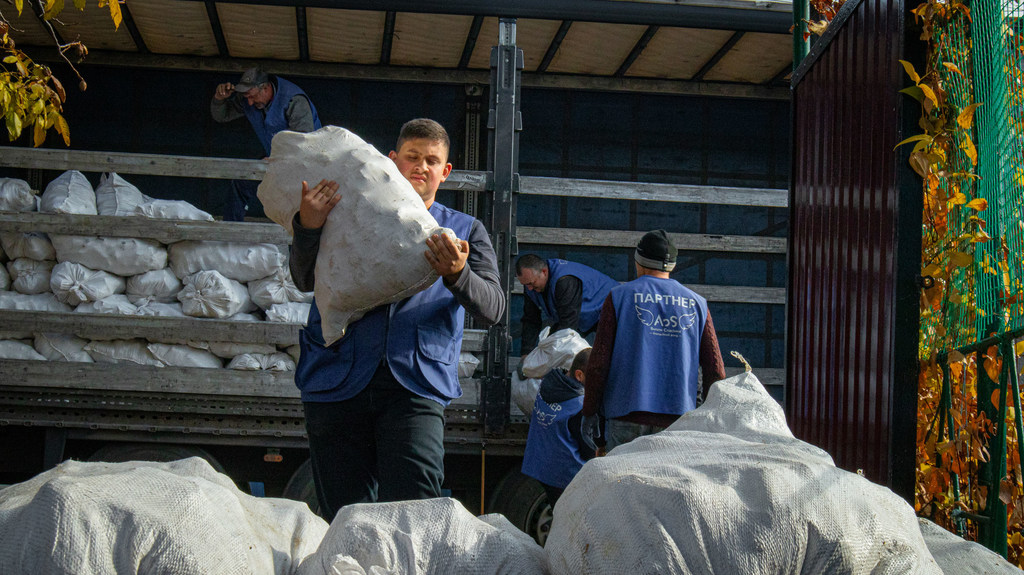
[
  {"x": 271, "y": 104},
  {"x": 653, "y": 334}
]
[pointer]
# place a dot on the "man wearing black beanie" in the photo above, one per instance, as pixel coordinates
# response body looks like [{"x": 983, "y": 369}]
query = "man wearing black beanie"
[{"x": 653, "y": 334}]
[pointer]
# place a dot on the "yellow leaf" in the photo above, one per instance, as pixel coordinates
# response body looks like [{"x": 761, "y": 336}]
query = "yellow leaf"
[
  {"x": 968, "y": 147},
  {"x": 978, "y": 204},
  {"x": 1018, "y": 347},
  {"x": 917, "y": 138},
  {"x": 39, "y": 133},
  {"x": 64, "y": 130},
  {"x": 19, "y": 4},
  {"x": 961, "y": 260},
  {"x": 928, "y": 93},
  {"x": 910, "y": 71},
  {"x": 966, "y": 117},
  {"x": 952, "y": 68},
  {"x": 115, "y": 13},
  {"x": 958, "y": 199}
]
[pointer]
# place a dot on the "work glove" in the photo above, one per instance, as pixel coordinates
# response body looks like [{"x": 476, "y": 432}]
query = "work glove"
[{"x": 590, "y": 430}]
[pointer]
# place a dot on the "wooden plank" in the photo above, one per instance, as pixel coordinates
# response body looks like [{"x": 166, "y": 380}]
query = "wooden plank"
[
  {"x": 764, "y": 197},
  {"x": 629, "y": 239},
  {"x": 719, "y": 293},
  {"x": 165, "y": 231}
]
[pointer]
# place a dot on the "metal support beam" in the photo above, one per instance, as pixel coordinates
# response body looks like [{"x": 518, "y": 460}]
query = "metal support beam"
[
  {"x": 301, "y": 30},
  {"x": 504, "y": 123},
  {"x": 717, "y": 57},
  {"x": 638, "y": 49},
  {"x": 218, "y": 31},
  {"x": 467, "y": 50},
  {"x": 553, "y": 47},
  {"x": 387, "y": 39},
  {"x": 133, "y": 30}
]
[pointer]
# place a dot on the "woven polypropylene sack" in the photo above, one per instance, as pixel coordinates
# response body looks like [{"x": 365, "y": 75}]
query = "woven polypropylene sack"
[
  {"x": 10, "y": 349},
  {"x": 62, "y": 347},
  {"x": 116, "y": 197},
  {"x": 956, "y": 555},
  {"x": 32, "y": 245},
  {"x": 262, "y": 362},
  {"x": 171, "y": 210},
  {"x": 142, "y": 517},
  {"x": 74, "y": 283},
  {"x": 727, "y": 489},
  {"x": 210, "y": 294},
  {"x": 69, "y": 193},
  {"x": 156, "y": 285},
  {"x": 117, "y": 304},
  {"x": 121, "y": 256},
  {"x": 238, "y": 261},
  {"x": 432, "y": 536},
  {"x": 372, "y": 245},
  {"x": 553, "y": 351},
  {"x": 29, "y": 276},
  {"x": 16, "y": 196}
]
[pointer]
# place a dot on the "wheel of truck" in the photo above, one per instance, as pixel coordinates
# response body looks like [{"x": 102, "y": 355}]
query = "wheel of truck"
[
  {"x": 523, "y": 501},
  {"x": 301, "y": 487},
  {"x": 118, "y": 453}
]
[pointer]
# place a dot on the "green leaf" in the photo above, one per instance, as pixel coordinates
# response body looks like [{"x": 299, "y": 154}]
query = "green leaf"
[
  {"x": 10, "y": 59},
  {"x": 918, "y": 138},
  {"x": 914, "y": 92}
]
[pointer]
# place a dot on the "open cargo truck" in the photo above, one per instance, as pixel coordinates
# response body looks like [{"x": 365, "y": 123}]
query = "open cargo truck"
[{"x": 250, "y": 423}]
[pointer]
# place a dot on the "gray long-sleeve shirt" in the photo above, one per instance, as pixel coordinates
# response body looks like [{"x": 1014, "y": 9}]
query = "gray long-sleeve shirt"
[
  {"x": 298, "y": 113},
  {"x": 477, "y": 289}
]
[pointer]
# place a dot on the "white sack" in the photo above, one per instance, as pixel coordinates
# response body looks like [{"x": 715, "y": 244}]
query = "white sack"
[
  {"x": 143, "y": 517},
  {"x": 373, "y": 241},
  {"x": 74, "y": 283},
  {"x": 467, "y": 364},
  {"x": 237, "y": 261},
  {"x": 62, "y": 347},
  {"x": 16, "y": 196},
  {"x": 116, "y": 197},
  {"x": 294, "y": 351},
  {"x": 210, "y": 294},
  {"x": 32, "y": 245},
  {"x": 171, "y": 210},
  {"x": 432, "y": 536},
  {"x": 31, "y": 302},
  {"x": 290, "y": 312},
  {"x": 155, "y": 308},
  {"x": 11, "y": 349},
  {"x": 29, "y": 276},
  {"x": 555, "y": 350},
  {"x": 5, "y": 279},
  {"x": 243, "y": 316},
  {"x": 957, "y": 556},
  {"x": 113, "y": 304},
  {"x": 184, "y": 356},
  {"x": 70, "y": 193},
  {"x": 229, "y": 349},
  {"x": 156, "y": 285},
  {"x": 262, "y": 362},
  {"x": 277, "y": 288},
  {"x": 132, "y": 351},
  {"x": 121, "y": 256},
  {"x": 524, "y": 392},
  {"x": 727, "y": 489}
]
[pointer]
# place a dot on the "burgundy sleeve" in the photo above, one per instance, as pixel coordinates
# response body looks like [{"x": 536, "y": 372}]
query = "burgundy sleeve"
[
  {"x": 600, "y": 359},
  {"x": 711, "y": 365}
]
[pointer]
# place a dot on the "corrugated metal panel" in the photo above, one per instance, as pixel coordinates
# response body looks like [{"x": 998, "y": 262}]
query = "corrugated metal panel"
[{"x": 851, "y": 333}]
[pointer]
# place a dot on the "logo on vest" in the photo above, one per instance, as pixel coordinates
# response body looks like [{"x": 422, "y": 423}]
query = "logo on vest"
[
  {"x": 671, "y": 325},
  {"x": 546, "y": 418}
]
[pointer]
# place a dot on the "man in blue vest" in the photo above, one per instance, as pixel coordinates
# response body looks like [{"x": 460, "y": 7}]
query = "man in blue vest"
[
  {"x": 555, "y": 450},
  {"x": 374, "y": 400},
  {"x": 271, "y": 104},
  {"x": 567, "y": 293},
  {"x": 653, "y": 335}
]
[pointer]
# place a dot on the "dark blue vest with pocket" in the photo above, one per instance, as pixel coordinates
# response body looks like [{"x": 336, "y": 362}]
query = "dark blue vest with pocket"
[
  {"x": 596, "y": 286},
  {"x": 654, "y": 363},
  {"x": 266, "y": 125},
  {"x": 552, "y": 456},
  {"x": 419, "y": 337}
]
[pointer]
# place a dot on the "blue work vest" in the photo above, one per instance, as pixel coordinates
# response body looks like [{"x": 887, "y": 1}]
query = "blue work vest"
[
  {"x": 273, "y": 121},
  {"x": 596, "y": 286},
  {"x": 657, "y": 348},
  {"x": 552, "y": 456},
  {"x": 419, "y": 337}
]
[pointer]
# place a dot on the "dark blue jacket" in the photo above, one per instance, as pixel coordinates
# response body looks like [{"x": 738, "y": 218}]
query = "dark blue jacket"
[{"x": 553, "y": 454}]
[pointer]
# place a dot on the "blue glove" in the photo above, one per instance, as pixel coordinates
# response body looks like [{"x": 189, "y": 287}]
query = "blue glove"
[{"x": 590, "y": 429}]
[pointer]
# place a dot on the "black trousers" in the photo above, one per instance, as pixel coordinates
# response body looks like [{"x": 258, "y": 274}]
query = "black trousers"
[{"x": 384, "y": 444}]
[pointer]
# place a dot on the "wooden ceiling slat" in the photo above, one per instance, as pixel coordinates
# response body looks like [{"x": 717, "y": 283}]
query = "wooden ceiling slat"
[
  {"x": 259, "y": 31},
  {"x": 95, "y": 29},
  {"x": 756, "y": 59},
  {"x": 595, "y": 48},
  {"x": 678, "y": 53},
  {"x": 344, "y": 36},
  {"x": 27, "y": 30},
  {"x": 172, "y": 27},
  {"x": 432, "y": 40},
  {"x": 532, "y": 36}
]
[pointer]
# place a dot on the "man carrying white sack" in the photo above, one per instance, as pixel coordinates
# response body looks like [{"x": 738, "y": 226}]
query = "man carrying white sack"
[{"x": 375, "y": 399}]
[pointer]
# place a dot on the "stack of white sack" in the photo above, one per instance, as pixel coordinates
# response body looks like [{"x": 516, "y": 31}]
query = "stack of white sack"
[
  {"x": 143, "y": 517},
  {"x": 373, "y": 242},
  {"x": 727, "y": 489},
  {"x": 556, "y": 350},
  {"x": 433, "y": 536},
  {"x": 16, "y": 196}
]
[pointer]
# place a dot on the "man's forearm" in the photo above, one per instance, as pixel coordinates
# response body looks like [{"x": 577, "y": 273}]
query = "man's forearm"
[
  {"x": 302, "y": 255},
  {"x": 478, "y": 288}
]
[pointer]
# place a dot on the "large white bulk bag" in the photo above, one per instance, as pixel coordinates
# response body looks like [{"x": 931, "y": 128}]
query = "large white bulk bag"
[
  {"x": 121, "y": 256},
  {"x": 117, "y": 304},
  {"x": 143, "y": 517},
  {"x": 32, "y": 245},
  {"x": 956, "y": 555},
  {"x": 116, "y": 197},
  {"x": 11, "y": 349},
  {"x": 156, "y": 285},
  {"x": 420, "y": 537},
  {"x": 16, "y": 196},
  {"x": 171, "y": 210},
  {"x": 210, "y": 294},
  {"x": 30, "y": 276},
  {"x": 372, "y": 245},
  {"x": 291, "y": 312},
  {"x": 74, "y": 283},
  {"x": 262, "y": 362},
  {"x": 237, "y": 261},
  {"x": 727, "y": 489},
  {"x": 184, "y": 356},
  {"x": 62, "y": 347},
  {"x": 70, "y": 193},
  {"x": 132, "y": 351},
  {"x": 277, "y": 288}
]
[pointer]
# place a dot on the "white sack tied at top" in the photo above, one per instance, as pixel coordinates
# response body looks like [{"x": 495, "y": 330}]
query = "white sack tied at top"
[
  {"x": 16, "y": 196},
  {"x": 116, "y": 197},
  {"x": 120, "y": 256},
  {"x": 69, "y": 193},
  {"x": 372, "y": 245}
]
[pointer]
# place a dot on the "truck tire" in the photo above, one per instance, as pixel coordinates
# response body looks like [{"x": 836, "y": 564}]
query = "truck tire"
[
  {"x": 121, "y": 452},
  {"x": 523, "y": 501},
  {"x": 301, "y": 487}
]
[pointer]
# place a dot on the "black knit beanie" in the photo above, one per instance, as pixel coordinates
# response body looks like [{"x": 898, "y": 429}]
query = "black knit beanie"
[{"x": 656, "y": 251}]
